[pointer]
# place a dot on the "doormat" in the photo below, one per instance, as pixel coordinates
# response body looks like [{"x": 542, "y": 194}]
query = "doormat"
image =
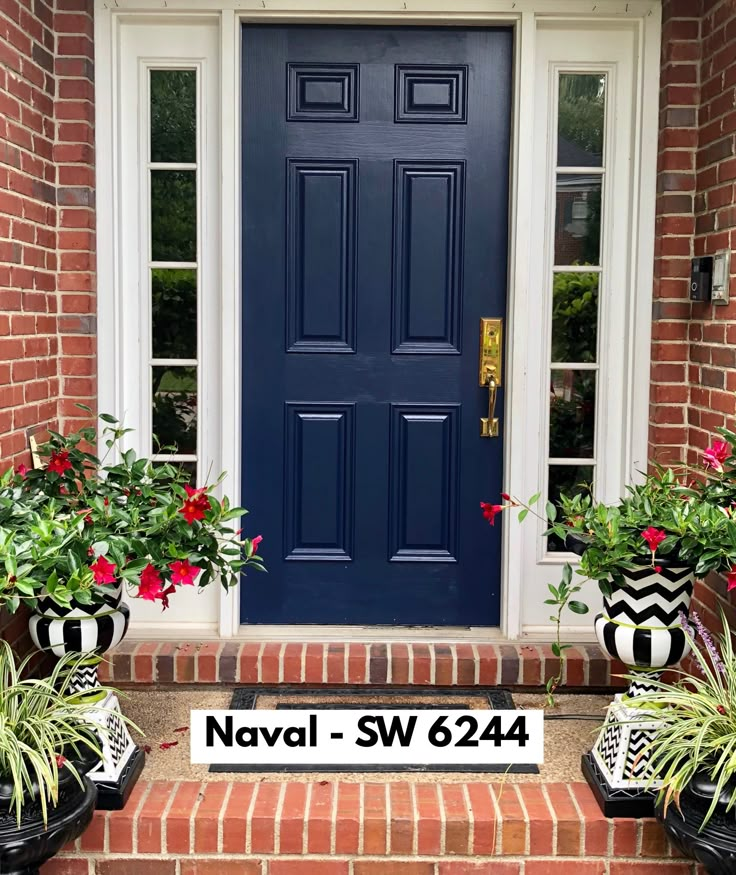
[{"x": 358, "y": 698}]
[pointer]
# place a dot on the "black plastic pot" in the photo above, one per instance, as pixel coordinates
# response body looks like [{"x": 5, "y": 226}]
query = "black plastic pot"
[
  {"x": 715, "y": 845},
  {"x": 24, "y": 849}
]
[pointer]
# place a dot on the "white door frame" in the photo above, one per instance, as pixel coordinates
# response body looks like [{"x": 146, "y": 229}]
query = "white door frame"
[{"x": 223, "y": 437}]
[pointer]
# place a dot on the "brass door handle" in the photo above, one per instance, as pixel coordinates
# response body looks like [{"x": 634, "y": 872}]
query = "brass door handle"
[{"x": 489, "y": 424}]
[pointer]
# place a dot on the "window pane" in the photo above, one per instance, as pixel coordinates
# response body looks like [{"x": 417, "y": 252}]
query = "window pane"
[
  {"x": 574, "y": 317},
  {"x": 581, "y": 114},
  {"x": 174, "y": 392},
  {"x": 578, "y": 219},
  {"x": 174, "y": 313},
  {"x": 572, "y": 414},
  {"x": 189, "y": 467},
  {"x": 174, "y": 115},
  {"x": 174, "y": 215},
  {"x": 569, "y": 480}
]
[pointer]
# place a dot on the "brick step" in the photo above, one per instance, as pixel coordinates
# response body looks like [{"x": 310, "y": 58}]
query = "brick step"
[
  {"x": 367, "y": 828},
  {"x": 400, "y": 664}
]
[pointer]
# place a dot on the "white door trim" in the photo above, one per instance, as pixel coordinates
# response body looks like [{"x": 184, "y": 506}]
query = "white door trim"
[{"x": 223, "y": 436}]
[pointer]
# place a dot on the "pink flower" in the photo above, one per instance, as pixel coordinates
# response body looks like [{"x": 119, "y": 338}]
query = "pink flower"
[
  {"x": 103, "y": 570},
  {"x": 255, "y": 542},
  {"x": 731, "y": 578},
  {"x": 149, "y": 586},
  {"x": 59, "y": 462},
  {"x": 658, "y": 569},
  {"x": 490, "y": 511},
  {"x": 183, "y": 573},
  {"x": 653, "y": 537},
  {"x": 716, "y": 455},
  {"x": 21, "y": 470},
  {"x": 60, "y": 760}
]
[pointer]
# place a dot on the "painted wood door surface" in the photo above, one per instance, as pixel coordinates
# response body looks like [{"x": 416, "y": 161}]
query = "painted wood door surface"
[{"x": 375, "y": 210}]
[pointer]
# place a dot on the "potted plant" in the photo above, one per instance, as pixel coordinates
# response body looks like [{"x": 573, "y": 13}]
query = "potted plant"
[
  {"x": 76, "y": 532},
  {"x": 693, "y": 755},
  {"x": 645, "y": 551},
  {"x": 47, "y": 746}
]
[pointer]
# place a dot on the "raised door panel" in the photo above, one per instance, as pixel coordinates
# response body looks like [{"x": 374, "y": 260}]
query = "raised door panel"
[
  {"x": 424, "y": 475},
  {"x": 428, "y": 257},
  {"x": 321, "y": 232},
  {"x": 318, "y": 477}
]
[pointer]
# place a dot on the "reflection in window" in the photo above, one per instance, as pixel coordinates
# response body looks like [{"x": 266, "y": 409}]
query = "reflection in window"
[
  {"x": 570, "y": 480},
  {"x": 174, "y": 215},
  {"x": 577, "y": 277},
  {"x": 581, "y": 119},
  {"x": 174, "y": 116},
  {"x": 578, "y": 219},
  {"x": 572, "y": 414},
  {"x": 575, "y": 317},
  {"x": 174, "y": 313},
  {"x": 174, "y": 392}
]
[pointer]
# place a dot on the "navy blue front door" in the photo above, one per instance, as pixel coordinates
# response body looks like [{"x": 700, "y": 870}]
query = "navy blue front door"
[{"x": 375, "y": 203}]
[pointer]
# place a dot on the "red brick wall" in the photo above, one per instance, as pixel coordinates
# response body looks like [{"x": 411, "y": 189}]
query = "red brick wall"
[
  {"x": 694, "y": 345},
  {"x": 46, "y": 223}
]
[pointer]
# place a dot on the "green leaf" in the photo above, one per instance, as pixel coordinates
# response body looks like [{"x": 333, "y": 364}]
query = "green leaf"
[
  {"x": 107, "y": 417},
  {"x": 578, "y": 607},
  {"x": 523, "y": 515},
  {"x": 556, "y": 648},
  {"x": 551, "y": 511},
  {"x": 535, "y": 498}
]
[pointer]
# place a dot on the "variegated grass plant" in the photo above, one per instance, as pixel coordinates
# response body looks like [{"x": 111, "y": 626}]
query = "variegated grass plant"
[
  {"x": 43, "y": 728},
  {"x": 698, "y": 714}
]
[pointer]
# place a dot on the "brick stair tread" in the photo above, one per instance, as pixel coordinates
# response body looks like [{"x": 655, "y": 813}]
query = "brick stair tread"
[{"x": 391, "y": 663}]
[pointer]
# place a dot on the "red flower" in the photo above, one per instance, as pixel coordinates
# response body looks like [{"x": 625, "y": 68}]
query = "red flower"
[
  {"x": 183, "y": 572},
  {"x": 149, "y": 586},
  {"x": 164, "y": 596},
  {"x": 490, "y": 511},
  {"x": 59, "y": 462},
  {"x": 505, "y": 496},
  {"x": 716, "y": 455},
  {"x": 255, "y": 542},
  {"x": 658, "y": 569},
  {"x": 731, "y": 578},
  {"x": 653, "y": 537},
  {"x": 21, "y": 470},
  {"x": 60, "y": 760},
  {"x": 195, "y": 505},
  {"x": 103, "y": 570},
  {"x": 721, "y": 710},
  {"x": 87, "y": 514}
]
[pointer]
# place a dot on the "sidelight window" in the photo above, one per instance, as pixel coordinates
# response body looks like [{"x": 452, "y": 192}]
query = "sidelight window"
[
  {"x": 173, "y": 263},
  {"x": 576, "y": 275}
]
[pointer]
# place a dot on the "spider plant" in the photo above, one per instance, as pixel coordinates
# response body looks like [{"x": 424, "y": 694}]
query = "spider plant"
[
  {"x": 698, "y": 714},
  {"x": 44, "y": 728}
]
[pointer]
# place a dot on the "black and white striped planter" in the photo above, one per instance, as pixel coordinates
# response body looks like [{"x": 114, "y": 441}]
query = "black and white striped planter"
[
  {"x": 639, "y": 625},
  {"x": 80, "y": 628},
  {"x": 94, "y": 629}
]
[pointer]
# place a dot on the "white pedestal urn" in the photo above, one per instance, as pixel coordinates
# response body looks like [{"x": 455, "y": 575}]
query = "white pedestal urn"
[
  {"x": 639, "y": 625},
  {"x": 94, "y": 629}
]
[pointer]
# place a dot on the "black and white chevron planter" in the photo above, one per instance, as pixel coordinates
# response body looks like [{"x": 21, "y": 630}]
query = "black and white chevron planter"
[
  {"x": 639, "y": 625},
  {"x": 94, "y": 629}
]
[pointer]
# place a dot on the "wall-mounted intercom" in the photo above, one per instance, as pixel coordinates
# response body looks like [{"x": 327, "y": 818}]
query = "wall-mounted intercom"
[
  {"x": 701, "y": 275},
  {"x": 709, "y": 276}
]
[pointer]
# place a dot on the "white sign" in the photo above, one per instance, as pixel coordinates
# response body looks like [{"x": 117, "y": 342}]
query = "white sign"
[{"x": 365, "y": 737}]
